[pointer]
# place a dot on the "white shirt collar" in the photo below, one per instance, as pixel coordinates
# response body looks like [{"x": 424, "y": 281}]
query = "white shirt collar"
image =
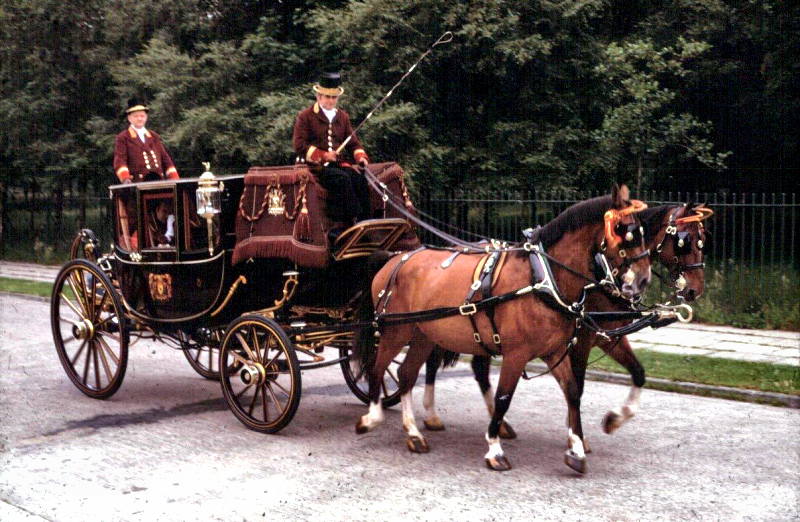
[
  {"x": 141, "y": 132},
  {"x": 328, "y": 113}
]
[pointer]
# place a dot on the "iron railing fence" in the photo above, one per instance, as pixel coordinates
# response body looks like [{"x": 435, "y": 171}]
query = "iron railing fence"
[{"x": 749, "y": 230}]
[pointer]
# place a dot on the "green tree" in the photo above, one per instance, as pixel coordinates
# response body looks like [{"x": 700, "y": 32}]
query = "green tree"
[{"x": 643, "y": 119}]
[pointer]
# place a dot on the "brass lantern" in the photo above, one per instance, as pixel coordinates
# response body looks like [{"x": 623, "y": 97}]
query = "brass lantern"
[{"x": 208, "y": 201}]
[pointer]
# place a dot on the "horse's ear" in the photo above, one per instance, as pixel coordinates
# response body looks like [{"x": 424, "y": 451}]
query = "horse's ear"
[{"x": 619, "y": 195}]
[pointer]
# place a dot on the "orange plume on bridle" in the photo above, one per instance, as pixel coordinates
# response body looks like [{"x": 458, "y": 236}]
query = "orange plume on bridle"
[
  {"x": 701, "y": 214},
  {"x": 613, "y": 217}
]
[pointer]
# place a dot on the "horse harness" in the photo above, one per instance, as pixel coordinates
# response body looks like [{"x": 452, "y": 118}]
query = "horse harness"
[{"x": 542, "y": 282}]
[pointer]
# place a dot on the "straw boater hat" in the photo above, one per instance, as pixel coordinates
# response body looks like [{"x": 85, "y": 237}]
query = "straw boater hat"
[
  {"x": 329, "y": 84},
  {"x": 135, "y": 105}
]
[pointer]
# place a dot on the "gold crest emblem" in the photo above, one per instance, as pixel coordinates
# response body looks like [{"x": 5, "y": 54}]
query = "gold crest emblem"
[
  {"x": 160, "y": 286},
  {"x": 276, "y": 198}
]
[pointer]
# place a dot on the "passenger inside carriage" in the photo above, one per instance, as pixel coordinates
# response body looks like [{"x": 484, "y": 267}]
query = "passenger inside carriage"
[
  {"x": 320, "y": 131},
  {"x": 160, "y": 225}
]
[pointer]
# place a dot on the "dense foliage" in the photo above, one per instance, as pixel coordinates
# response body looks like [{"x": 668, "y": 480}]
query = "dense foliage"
[{"x": 689, "y": 94}]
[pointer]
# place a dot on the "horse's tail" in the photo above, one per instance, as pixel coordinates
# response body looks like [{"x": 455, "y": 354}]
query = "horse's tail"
[{"x": 364, "y": 352}]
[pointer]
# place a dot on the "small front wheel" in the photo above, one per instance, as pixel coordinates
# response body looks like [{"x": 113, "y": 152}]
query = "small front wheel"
[
  {"x": 89, "y": 329},
  {"x": 264, "y": 391}
]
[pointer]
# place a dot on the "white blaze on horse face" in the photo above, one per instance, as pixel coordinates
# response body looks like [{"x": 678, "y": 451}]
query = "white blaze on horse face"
[
  {"x": 576, "y": 445},
  {"x": 494, "y": 447},
  {"x": 409, "y": 422}
]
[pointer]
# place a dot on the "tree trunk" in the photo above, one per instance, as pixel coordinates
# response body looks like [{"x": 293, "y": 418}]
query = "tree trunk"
[
  {"x": 639, "y": 174},
  {"x": 3, "y": 217}
]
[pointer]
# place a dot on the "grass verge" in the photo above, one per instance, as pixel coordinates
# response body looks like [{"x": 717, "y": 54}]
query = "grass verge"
[
  {"x": 776, "y": 378},
  {"x": 22, "y": 286}
]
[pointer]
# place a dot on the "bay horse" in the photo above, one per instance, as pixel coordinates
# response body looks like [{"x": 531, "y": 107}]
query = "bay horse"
[
  {"x": 530, "y": 325},
  {"x": 675, "y": 236}
]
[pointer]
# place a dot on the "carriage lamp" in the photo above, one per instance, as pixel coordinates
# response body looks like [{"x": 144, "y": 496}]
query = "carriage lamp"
[{"x": 208, "y": 201}]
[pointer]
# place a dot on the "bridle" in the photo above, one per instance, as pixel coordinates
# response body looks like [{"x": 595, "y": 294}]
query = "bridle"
[
  {"x": 682, "y": 243},
  {"x": 623, "y": 235}
]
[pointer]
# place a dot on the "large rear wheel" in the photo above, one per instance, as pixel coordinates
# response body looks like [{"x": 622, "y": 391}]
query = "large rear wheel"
[
  {"x": 264, "y": 392},
  {"x": 89, "y": 329}
]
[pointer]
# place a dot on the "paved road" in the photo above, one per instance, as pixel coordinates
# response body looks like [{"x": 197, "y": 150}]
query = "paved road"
[{"x": 165, "y": 447}]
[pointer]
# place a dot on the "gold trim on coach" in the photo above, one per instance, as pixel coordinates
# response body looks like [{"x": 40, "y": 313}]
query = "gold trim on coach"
[
  {"x": 243, "y": 280},
  {"x": 160, "y": 286}
]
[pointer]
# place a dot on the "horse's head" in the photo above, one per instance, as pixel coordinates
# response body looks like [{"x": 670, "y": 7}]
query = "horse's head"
[
  {"x": 680, "y": 248},
  {"x": 623, "y": 244}
]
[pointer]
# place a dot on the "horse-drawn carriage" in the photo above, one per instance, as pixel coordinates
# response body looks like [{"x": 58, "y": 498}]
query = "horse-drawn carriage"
[
  {"x": 251, "y": 279},
  {"x": 244, "y": 273}
]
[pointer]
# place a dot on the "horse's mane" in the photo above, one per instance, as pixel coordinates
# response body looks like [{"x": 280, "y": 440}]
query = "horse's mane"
[
  {"x": 650, "y": 218},
  {"x": 577, "y": 216}
]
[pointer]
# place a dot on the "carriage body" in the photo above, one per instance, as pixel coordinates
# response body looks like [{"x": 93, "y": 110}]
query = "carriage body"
[{"x": 267, "y": 260}]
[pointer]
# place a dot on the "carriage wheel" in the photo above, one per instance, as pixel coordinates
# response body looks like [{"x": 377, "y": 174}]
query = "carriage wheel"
[
  {"x": 89, "y": 329},
  {"x": 265, "y": 391},
  {"x": 357, "y": 380},
  {"x": 202, "y": 352}
]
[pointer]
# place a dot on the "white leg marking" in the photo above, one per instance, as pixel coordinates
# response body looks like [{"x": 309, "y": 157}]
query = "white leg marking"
[
  {"x": 428, "y": 402},
  {"x": 631, "y": 406},
  {"x": 409, "y": 423},
  {"x": 494, "y": 447},
  {"x": 576, "y": 445},
  {"x": 374, "y": 417}
]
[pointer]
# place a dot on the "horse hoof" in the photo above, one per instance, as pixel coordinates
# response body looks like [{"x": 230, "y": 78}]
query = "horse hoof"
[
  {"x": 611, "y": 422},
  {"x": 434, "y": 424},
  {"x": 417, "y": 445},
  {"x": 499, "y": 463},
  {"x": 575, "y": 462},
  {"x": 507, "y": 432},
  {"x": 362, "y": 427}
]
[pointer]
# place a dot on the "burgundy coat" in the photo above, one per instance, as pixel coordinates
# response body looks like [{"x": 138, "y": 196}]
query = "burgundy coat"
[
  {"x": 134, "y": 159},
  {"x": 314, "y": 135}
]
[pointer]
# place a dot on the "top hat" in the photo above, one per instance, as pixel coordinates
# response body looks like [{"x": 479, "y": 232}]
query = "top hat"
[
  {"x": 136, "y": 104},
  {"x": 329, "y": 84}
]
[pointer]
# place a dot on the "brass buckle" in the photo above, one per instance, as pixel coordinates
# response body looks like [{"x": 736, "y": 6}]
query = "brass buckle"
[
  {"x": 477, "y": 337},
  {"x": 468, "y": 309},
  {"x": 496, "y": 338}
]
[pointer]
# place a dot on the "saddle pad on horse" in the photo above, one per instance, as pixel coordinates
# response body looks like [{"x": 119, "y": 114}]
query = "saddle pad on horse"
[{"x": 282, "y": 214}]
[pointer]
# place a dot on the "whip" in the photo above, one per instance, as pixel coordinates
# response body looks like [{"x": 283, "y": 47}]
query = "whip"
[{"x": 447, "y": 37}]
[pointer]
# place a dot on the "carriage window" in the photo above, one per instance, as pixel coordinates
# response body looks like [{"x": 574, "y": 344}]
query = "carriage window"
[
  {"x": 159, "y": 220},
  {"x": 126, "y": 220}
]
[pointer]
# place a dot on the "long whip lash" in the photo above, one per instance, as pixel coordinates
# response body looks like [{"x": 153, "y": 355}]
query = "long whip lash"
[{"x": 447, "y": 37}]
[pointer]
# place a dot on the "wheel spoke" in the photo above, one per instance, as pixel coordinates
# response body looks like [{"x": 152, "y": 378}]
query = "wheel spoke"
[
  {"x": 284, "y": 390},
  {"x": 247, "y": 387},
  {"x": 78, "y": 295},
  {"x": 239, "y": 358},
  {"x": 246, "y": 347},
  {"x": 264, "y": 402},
  {"x": 99, "y": 309},
  {"x": 86, "y": 365},
  {"x": 103, "y": 358},
  {"x": 383, "y": 387},
  {"x": 78, "y": 353},
  {"x": 393, "y": 376},
  {"x": 93, "y": 347},
  {"x": 105, "y": 345},
  {"x": 256, "y": 347},
  {"x": 253, "y": 403},
  {"x": 78, "y": 312},
  {"x": 110, "y": 336},
  {"x": 274, "y": 397},
  {"x": 272, "y": 361}
]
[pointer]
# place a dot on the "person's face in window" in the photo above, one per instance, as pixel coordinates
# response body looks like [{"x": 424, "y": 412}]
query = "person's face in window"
[{"x": 162, "y": 212}]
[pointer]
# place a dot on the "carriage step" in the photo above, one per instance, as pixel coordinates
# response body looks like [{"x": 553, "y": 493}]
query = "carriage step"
[{"x": 366, "y": 237}]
